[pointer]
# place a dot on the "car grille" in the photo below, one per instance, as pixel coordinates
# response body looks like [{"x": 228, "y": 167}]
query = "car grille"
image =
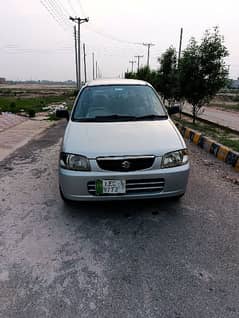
[
  {"x": 137, "y": 186},
  {"x": 125, "y": 164}
]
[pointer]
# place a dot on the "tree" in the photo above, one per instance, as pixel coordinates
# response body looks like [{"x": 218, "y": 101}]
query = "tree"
[
  {"x": 144, "y": 74},
  {"x": 202, "y": 70},
  {"x": 130, "y": 75},
  {"x": 168, "y": 75}
]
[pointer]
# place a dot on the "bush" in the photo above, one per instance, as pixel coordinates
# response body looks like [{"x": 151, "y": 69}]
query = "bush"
[
  {"x": 13, "y": 108},
  {"x": 235, "y": 98},
  {"x": 74, "y": 93},
  {"x": 31, "y": 112}
]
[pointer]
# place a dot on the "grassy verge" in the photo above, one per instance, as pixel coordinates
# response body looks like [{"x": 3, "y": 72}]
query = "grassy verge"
[
  {"x": 220, "y": 135},
  {"x": 234, "y": 107},
  {"x": 16, "y": 104}
]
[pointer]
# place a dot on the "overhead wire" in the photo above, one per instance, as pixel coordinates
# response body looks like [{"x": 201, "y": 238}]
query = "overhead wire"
[
  {"x": 52, "y": 13},
  {"x": 71, "y": 6}
]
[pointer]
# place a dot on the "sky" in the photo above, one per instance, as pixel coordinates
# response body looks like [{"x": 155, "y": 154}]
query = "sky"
[{"x": 37, "y": 42}]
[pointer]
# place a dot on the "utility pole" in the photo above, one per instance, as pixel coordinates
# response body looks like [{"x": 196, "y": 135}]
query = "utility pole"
[
  {"x": 180, "y": 44},
  {"x": 79, "y": 21},
  {"x": 138, "y": 57},
  {"x": 132, "y": 65},
  {"x": 179, "y": 56},
  {"x": 96, "y": 69},
  {"x": 84, "y": 62},
  {"x": 148, "y": 46},
  {"x": 76, "y": 59},
  {"x": 93, "y": 64}
]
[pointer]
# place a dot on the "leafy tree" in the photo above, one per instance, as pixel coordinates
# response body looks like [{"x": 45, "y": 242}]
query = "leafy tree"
[
  {"x": 168, "y": 84},
  {"x": 144, "y": 74},
  {"x": 130, "y": 75},
  {"x": 202, "y": 70}
]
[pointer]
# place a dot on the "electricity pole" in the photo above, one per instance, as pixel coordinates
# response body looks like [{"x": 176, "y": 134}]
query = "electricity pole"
[
  {"x": 96, "y": 69},
  {"x": 79, "y": 21},
  {"x": 148, "y": 46},
  {"x": 180, "y": 44},
  {"x": 138, "y": 57},
  {"x": 93, "y": 64},
  {"x": 132, "y": 65},
  {"x": 76, "y": 59},
  {"x": 84, "y": 62}
]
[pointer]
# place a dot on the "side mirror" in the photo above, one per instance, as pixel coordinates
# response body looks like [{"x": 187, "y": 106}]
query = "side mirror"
[
  {"x": 62, "y": 113},
  {"x": 173, "y": 110}
]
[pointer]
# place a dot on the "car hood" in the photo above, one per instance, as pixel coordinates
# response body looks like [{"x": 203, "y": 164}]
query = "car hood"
[{"x": 122, "y": 138}]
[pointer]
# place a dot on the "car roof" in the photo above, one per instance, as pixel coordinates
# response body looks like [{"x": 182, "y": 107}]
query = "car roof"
[{"x": 116, "y": 82}]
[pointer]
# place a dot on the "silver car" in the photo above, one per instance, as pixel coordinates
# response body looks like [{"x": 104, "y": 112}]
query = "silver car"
[{"x": 119, "y": 144}]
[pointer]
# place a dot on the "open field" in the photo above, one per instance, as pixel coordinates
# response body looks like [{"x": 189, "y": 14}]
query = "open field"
[
  {"x": 226, "y": 101},
  {"x": 18, "y": 98}
]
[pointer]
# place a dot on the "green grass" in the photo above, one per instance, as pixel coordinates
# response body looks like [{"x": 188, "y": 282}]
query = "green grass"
[{"x": 223, "y": 136}]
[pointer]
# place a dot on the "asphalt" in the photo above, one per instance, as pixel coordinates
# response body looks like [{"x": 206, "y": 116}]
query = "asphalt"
[{"x": 130, "y": 259}]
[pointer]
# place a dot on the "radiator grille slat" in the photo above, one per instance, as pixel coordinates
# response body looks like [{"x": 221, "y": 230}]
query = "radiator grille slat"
[{"x": 136, "y": 186}]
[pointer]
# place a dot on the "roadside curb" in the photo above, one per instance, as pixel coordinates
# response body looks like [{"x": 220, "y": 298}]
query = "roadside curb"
[{"x": 220, "y": 151}]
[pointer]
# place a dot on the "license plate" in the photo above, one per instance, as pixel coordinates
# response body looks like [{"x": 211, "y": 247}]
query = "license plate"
[{"x": 110, "y": 187}]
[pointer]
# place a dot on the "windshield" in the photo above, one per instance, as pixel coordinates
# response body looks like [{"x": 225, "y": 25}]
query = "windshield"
[{"x": 118, "y": 103}]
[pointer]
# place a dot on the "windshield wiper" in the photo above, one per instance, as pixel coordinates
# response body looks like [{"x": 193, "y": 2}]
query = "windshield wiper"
[
  {"x": 113, "y": 117},
  {"x": 151, "y": 117}
]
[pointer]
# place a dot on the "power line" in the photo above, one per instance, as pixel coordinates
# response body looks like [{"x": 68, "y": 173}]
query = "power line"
[
  {"x": 62, "y": 8},
  {"x": 52, "y": 13},
  {"x": 71, "y": 6},
  {"x": 111, "y": 37},
  {"x": 82, "y": 9}
]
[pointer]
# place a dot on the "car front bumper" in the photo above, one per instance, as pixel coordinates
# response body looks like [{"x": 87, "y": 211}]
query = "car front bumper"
[{"x": 74, "y": 184}]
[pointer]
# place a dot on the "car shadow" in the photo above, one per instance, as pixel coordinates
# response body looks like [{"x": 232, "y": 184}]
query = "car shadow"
[{"x": 125, "y": 209}]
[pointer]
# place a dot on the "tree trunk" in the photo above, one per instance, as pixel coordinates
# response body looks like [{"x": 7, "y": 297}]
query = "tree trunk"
[{"x": 194, "y": 114}]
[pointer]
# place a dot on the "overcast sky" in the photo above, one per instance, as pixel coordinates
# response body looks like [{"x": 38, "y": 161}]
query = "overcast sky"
[{"x": 36, "y": 36}]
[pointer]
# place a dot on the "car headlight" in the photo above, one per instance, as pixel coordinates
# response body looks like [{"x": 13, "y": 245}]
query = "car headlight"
[
  {"x": 74, "y": 162},
  {"x": 175, "y": 158}
]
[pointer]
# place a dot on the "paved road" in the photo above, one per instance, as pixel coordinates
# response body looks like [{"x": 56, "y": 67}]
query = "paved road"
[
  {"x": 135, "y": 259},
  {"x": 15, "y": 136},
  {"x": 225, "y": 118}
]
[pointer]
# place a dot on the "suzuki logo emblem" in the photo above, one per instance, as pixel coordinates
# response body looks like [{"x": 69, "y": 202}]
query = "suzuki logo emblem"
[{"x": 125, "y": 164}]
